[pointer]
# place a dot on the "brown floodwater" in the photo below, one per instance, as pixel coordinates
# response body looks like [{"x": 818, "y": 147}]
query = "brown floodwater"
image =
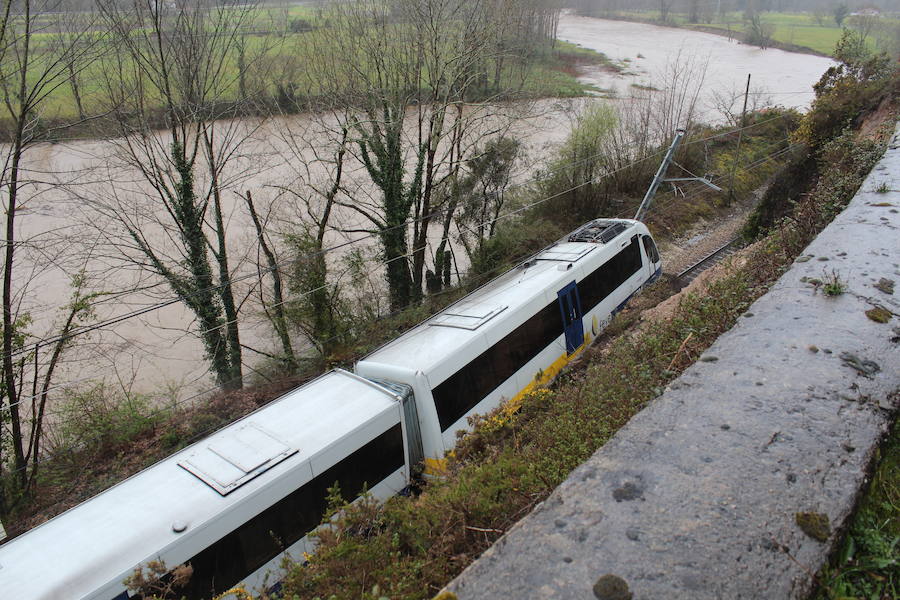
[{"x": 157, "y": 351}]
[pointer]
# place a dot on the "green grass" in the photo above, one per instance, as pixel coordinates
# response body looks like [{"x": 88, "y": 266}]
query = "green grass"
[
  {"x": 867, "y": 564},
  {"x": 555, "y": 75},
  {"x": 279, "y": 56},
  {"x": 794, "y": 29}
]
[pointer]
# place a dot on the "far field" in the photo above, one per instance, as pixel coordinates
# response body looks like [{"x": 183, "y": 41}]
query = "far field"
[
  {"x": 818, "y": 33},
  {"x": 276, "y": 45}
]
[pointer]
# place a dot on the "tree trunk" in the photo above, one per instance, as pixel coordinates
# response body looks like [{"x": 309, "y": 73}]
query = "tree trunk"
[
  {"x": 199, "y": 291},
  {"x": 11, "y": 388},
  {"x": 242, "y": 68},
  {"x": 12, "y": 393},
  {"x": 226, "y": 293},
  {"x": 279, "y": 322},
  {"x": 76, "y": 90},
  {"x": 420, "y": 241},
  {"x": 400, "y": 283}
]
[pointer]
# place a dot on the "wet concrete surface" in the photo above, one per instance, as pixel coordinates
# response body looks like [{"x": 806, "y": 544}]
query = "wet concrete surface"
[{"x": 726, "y": 485}]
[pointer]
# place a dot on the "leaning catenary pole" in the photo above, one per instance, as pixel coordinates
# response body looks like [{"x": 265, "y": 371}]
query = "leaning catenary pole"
[{"x": 658, "y": 178}]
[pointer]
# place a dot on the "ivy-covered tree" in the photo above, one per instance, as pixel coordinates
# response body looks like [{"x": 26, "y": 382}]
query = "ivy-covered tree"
[{"x": 171, "y": 93}]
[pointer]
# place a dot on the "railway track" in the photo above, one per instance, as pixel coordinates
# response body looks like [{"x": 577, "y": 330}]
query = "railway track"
[{"x": 711, "y": 259}]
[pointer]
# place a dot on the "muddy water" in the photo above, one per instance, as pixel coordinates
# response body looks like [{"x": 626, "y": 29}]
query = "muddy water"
[
  {"x": 650, "y": 53},
  {"x": 154, "y": 351}
]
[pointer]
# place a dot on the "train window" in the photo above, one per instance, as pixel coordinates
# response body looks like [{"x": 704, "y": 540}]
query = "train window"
[
  {"x": 272, "y": 531},
  {"x": 460, "y": 392},
  {"x": 368, "y": 465},
  {"x": 609, "y": 276},
  {"x": 650, "y": 248}
]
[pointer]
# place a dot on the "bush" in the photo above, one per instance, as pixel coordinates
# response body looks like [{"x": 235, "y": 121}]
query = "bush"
[
  {"x": 572, "y": 178},
  {"x": 99, "y": 419},
  {"x": 300, "y": 26},
  {"x": 848, "y": 91},
  {"x": 513, "y": 242}
]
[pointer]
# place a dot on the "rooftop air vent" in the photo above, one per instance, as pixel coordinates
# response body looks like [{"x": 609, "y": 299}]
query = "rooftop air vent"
[
  {"x": 467, "y": 317},
  {"x": 234, "y": 457}
]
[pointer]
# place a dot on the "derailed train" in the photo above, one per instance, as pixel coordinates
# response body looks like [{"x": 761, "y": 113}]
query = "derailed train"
[{"x": 232, "y": 504}]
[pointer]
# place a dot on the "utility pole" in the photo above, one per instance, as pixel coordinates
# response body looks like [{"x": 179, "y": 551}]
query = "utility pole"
[
  {"x": 660, "y": 177},
  {"x": 737, "y": 151}
]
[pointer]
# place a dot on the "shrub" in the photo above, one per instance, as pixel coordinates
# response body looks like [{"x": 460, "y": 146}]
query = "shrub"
[
  {"x": 100, "y": 419},
  {"x": 848, "y": 91},
  {"x": 513, "y": 241},
  {"x": 300, "y": 26},
  {"x": 572, "y": 177}
]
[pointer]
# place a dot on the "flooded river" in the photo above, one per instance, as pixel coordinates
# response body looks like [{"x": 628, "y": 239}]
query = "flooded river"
[{"x": 153, "y": 351}]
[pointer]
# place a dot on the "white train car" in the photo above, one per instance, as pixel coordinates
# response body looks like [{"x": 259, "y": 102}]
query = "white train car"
[
  {"x": 517, "y": 331},
  {"x": 228, "y": 505},
  {"x": 232, "y": 504}
]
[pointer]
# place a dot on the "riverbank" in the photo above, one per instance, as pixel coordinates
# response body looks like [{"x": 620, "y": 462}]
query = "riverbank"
[
  {"x": 554, "y": 74},
  {"x": 734, "y": 32}
]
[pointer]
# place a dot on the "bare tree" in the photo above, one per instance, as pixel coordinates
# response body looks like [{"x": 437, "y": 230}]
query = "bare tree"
[
  {"x": 727, "y": 102},
  {"x": 318, "y": 179},
  {"x": 38, "y": 54},
  {"x": 665, "y": 6},
  {"x": 412, "y": 80},
  {"x": 840, "y": 13},
  {"x": 174, "y": 71},
  {"x": 759, "y": 33},
  {"x": 483, "y": 191}
]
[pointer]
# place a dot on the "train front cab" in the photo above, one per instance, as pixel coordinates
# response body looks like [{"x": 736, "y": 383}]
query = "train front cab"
[{"x": 651, "y": 255}]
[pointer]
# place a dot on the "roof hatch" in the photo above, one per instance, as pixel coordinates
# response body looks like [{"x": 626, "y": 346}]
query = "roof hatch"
[
  {"x": 229, "y": 461},
  {"x": 467, "y": 317},
  {"x": 565, "y": 252}
]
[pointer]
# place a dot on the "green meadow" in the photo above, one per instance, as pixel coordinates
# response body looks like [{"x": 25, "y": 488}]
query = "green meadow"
[
  {"x": 802, "y": 30},
  {"x": 276, "y": 49}
]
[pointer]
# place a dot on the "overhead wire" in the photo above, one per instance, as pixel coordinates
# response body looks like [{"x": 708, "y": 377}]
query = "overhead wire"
[
  {"x": 119, "y": 318},
  {"x": 700, "y": 188},
  {"x": 146, "y": 310}
]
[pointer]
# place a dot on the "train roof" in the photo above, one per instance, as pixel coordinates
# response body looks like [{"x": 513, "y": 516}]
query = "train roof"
[
  {"x": 498, "y": 302},
  {"x": 82, "y": 549}
]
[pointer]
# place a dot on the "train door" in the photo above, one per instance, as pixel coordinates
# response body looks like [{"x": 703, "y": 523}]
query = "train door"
[{"x": 570, "y": 306}]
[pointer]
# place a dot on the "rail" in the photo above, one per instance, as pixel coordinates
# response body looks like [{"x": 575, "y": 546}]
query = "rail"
[{"x": 727, "y": 249}]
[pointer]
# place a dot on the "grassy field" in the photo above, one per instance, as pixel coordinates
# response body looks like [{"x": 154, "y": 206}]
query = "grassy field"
[
  {"x": 793, "y": 29},
  {"x": 277, "y": 47}
]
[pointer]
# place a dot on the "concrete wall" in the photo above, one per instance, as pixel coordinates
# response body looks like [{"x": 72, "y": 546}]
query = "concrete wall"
[{"x": 699, "y": 495}]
